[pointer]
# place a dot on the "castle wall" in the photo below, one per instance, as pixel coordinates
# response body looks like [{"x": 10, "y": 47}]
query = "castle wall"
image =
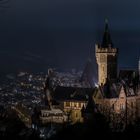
[{"x": 73, "y": 109}]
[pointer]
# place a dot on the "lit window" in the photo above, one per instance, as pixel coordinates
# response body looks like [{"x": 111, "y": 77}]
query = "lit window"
[
  {"x": 67, "y": 104},
  {"x": 75, "y": 105},
  {"x": 113, "y": 106},
  {"x": 79, "y": 105},
  {"x": 103, "y": 68},
  {"x": 122, "y": 106}
]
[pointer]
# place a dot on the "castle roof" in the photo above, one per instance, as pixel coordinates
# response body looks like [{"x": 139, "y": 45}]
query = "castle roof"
[
  {"x": 71, "y": 93},
  {"x": 91, "y": 106},
  {"x": 113, "y": 90}
]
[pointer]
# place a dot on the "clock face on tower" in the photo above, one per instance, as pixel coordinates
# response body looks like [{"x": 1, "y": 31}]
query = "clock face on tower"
[{"x": 102, "y": 58}]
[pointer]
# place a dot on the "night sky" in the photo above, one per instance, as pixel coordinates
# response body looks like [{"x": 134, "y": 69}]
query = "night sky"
[{"x": 37, "y": 34}]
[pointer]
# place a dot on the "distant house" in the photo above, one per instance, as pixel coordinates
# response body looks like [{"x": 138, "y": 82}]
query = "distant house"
[
  {"x": 72, "y": 101},
  {"x": 65, "y": 100},
  {"x": 53, "y": 116}
]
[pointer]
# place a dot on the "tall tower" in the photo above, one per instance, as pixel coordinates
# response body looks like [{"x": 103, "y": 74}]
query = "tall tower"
[{"x": 106, "y": 57}]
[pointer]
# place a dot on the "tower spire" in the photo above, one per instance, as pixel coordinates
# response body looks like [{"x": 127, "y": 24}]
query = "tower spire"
[
  {"x": 106, "y": 25},
  {"x": 106, "y": 42},
  {"x": 106, "y": 58}
]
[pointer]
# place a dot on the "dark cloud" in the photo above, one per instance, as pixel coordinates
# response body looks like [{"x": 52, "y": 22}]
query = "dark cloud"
[{"x": 36, "y": 34}]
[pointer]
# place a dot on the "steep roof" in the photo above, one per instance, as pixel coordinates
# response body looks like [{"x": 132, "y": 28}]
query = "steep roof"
[
  {"x": 71, "y": 93},
  {"x": 91, "y": 107},
  {"x": 110, "y": 90},
  {"x": 89, "y": 74},
  {"x": 106, "y": 42},
  {"x": 113, "y": 90}
]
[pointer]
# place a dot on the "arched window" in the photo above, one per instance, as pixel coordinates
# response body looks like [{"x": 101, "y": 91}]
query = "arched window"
[
  {"x": 67, "y": 104},
  {"x": 103, "y": 68},
  {"x": 113, "y": 106},
  {"x": 122, "y": 107}
]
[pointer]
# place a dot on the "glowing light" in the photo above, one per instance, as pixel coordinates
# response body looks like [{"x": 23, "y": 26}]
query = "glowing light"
[{"x": 96, "y": 85}]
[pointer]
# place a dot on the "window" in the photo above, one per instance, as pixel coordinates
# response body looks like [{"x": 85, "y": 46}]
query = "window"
[
  {"x": 67, "y": 104},
  {"x": 113, "y": 107},
  {"x": 122, "y": 107},
  {"x": 102, "y": 58},
  {"x": 75, "y": 105},
  {"x": 103, "y": 68},
  {"x": 79, "y": 105}
]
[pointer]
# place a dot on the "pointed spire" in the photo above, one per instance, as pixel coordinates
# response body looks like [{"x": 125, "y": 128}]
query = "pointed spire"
[
  {"x": 106, "y": 21},
  {"x": 106, "y": 42},
  {"x": 106, "y": 25},
  {"x": 90, "y": 51}
]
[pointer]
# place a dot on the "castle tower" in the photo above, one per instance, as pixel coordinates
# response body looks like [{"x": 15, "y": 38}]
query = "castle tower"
[{"x": 106, "y": 57}]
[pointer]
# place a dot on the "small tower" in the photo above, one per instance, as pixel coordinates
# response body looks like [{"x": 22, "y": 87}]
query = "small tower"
[
  {"x": 106, "y": 57},
  {"x": 47, "y": 92}
]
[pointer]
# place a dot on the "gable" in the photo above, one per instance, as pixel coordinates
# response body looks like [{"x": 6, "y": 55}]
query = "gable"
[
  {"x": 97, "y": 94},
  {"x": 122, "y": 93}
]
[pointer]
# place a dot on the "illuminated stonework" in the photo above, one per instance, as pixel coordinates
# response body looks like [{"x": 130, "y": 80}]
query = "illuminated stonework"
[
  {"x": 121, "y": 106},
  {"x": 107, "y": 63},
  {"x": 73, "y": 108}
]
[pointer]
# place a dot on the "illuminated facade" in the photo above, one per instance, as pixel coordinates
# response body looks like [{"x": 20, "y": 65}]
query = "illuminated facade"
[
  {"x": 73, "y": 109},
  {"x": 124, "y": 103},
  {"x": 52, "y": 116}
]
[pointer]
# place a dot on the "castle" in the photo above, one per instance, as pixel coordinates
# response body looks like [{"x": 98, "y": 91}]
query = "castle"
[{"x": 116, "y": 97}]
